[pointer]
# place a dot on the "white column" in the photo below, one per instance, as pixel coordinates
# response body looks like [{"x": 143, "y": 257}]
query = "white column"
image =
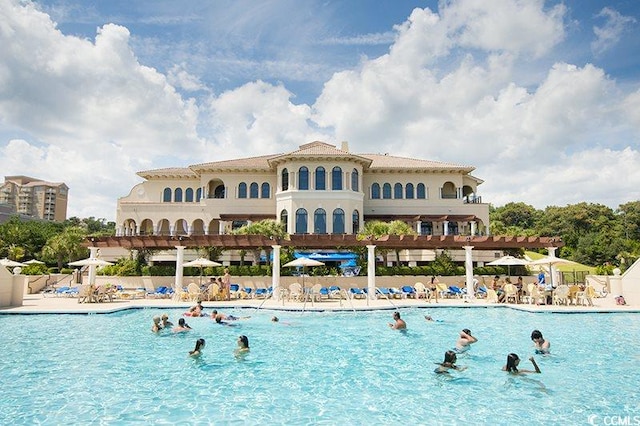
[
  {"x": 446, "y": 227},
  {"x": 473, "y": 228},
  {"x": 468, "y": 266},
  {"x": 418, "y": 227},
  {"x": 553, "y": 273},
  {"x": 92, "y": 268},
  {"x": 177, "y": 285},
  {"x": 205, "y": 228},
  {"x": 220, "y": 227},
  {"x": 275, "y": 276},
  {"x": 371, "y": 271},
  {"x": 615, "y": 283}
]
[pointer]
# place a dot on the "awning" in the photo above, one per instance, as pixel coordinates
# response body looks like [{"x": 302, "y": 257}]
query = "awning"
[{"x": 323, "y": 257}]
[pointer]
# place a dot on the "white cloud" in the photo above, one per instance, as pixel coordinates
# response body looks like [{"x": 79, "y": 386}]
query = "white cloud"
[{"x": 609, "y": 34}]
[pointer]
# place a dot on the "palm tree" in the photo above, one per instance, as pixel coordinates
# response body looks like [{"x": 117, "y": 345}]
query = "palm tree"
[
  {"x": 65, "y": 246},
  {"x": 267, "y": 228}
]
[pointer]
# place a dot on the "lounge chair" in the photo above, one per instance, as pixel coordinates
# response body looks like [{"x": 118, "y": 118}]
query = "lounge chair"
[
  {"x": 456, "y": 291},
  {"x": 561, "y": 295},
  {"x": 384, "y": 292},
  {"x": 295, "y": 291},
  {"x": 335, "y": 292},
  {"x": 408, "y": 292},
  {"x": 421, "y": 290},
  {"x": 492, "y": 296},
  {"x": 511, "y": 293},
  {"x": 395, "y": 293},
  {"x": 194, "y": 292},
  {"x": 357, "y": 293},
  {"x": 234, "y": 291},
  {"x": 324, "y": 293}
]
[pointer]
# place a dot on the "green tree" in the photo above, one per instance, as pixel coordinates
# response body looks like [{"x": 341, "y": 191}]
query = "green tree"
[
  {"x": 66, "y": 246},
  {"x": 267, "y": 228},
  {"x": 398, "y": 227}
]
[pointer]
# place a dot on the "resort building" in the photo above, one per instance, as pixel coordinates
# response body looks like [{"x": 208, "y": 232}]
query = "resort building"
[
  {"x": 317, "y": 189},
  {"x": 35, "y": 198}
]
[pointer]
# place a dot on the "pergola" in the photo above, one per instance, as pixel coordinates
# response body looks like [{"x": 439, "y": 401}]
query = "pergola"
[{"x": 326, "y": 241}]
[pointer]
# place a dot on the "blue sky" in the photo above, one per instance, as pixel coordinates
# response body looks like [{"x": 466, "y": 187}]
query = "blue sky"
[{"x": 542, "y": 97}]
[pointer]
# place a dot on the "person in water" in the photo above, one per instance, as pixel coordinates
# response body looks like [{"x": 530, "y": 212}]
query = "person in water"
[
  {"x": 197, "y": 351},
  {"x": 465, "y": 340},
  {"x": 449, "y": 363},
  {"x": 182, "y": 326},
  {"x": 541, "y": 345},
  {"x": 156, "y": 327},
  {"x": 243, "y": 346},
  {"x": 399, "y": 322},
  {"x": 513, "y": 360},
  {"x": 165, "y": 321}
]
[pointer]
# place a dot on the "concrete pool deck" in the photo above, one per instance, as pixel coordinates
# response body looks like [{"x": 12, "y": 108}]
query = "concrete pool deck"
[{"x": 39, "y": 304}]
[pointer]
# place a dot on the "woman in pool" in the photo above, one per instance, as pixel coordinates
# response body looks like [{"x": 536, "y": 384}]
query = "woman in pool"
[
  {"x": 165, "y": 321},
  {"x": 243, "y": 346},
  {"x": 541, "y": 345},
  {"x": 182, "y": 326},
  {"x": 512, "y": 365},
  {"x": 464, "y": 341},
  {"x": 449, "y": 363},
  {"x": 156, "y": 327},
  {"x": 198, "y": 349}
]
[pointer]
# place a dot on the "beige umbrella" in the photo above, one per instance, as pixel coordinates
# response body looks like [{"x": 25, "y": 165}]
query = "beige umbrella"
[
  {"x": 508, "y": 261},
  {"x": 303, "y": 262},
  {"x": 550, "y": 261},
  {"x": 91, "y": 262},
  {"x": 10, "y": 263},
  {"x": 34, "y": 262},
  {"x": 202, "y": 263}
]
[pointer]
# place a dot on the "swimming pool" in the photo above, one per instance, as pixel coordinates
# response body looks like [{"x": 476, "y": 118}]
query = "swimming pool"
[{"x": 329, "y": 368}]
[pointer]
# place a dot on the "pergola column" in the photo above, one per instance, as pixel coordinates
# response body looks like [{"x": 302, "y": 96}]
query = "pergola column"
[
  {"x": 92, "y": 268},
  {"x": 371, "y": 272},
  {"x": 473, "y": 228},
  {"x": 553, "y": 273},
  {"x": 275, "y": 278},
  {"x": 177, "y": 285},
  {"x": 468, "y": 266},
  {"x": 445, "y": 227}
]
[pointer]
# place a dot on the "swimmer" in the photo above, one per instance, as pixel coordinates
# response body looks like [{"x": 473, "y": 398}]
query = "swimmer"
[
  {"x": 512, "y": 365},
  {"x": 218, "y": 320},
  {"x": 541, "y": 345},
  {"x": 198, "y": 349},
  {"x": 156, "y": 327},
  {"x": 464, "y": 341},
  {"x": 165, "y": 321},
  {"x": 225, "y": 317},
  {"x": 399, "y": 323},
  {"x": 182, "y": 326},
  {"x": 243, "y": 346},
  {"x": 195, "y": 311},
  {"x": 274, "y": 319},
  {"x": 449, "y": 363},
  {"x": 429, "y": 318}
]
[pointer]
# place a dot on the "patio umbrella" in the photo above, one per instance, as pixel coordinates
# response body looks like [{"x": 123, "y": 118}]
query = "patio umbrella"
[
  {"x": 91, "y": 262},
  {"x": 508, "y": 261},
  {"x": 551, "y": 261},
  {"x": 34, "y": 262},
  {"x": 10, "y": 263},
  {"x": 201, "y": 263},
  {"x": 304, "y": 262}
]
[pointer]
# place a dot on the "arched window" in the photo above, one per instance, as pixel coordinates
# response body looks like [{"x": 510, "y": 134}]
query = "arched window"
[
  {"x": 320, "y": 221},
  {"x": 303, "y": 178},
  {"x": 355, "y": 180},
  {"x": 409, "y": 191},
  {"x": 355, "y": 221},
  {"x": 386, "y": 191},
  {"x": 188, "y": 195},
  {"x": 321, "y": 179},
  {"x": 375, "y": 191},
  {"x": 265, "y": 190},
  {"x": 242, "y": 190},
  {"x": 301, "y": 221},
  {"x": 166, "y": 195},
  {"x": 253, "y": 190},
  {"x": 219, "y": 192},
  {"x": 338, "y": 221},
  {"x": 177, "y": 195},
  {"x": 420, "y": 191},
  {"x": 397, "y": 190},
  {"x": 198, "y": 195},
  {"x": 285, "y": 179},
  {"x": 284, "y": 219},
  {"x": 336, "y": 179}
]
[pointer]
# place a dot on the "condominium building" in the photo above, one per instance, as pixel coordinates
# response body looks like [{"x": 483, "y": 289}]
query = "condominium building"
[
  {"x": 317, "y": 189},
  {"x": 35, "y": 198}
]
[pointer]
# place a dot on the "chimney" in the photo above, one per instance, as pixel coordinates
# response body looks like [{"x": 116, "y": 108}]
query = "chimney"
[{"x": 345, "y": 146}]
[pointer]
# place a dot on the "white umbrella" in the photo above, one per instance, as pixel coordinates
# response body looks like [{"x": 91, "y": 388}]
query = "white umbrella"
[
  {"x": 550, "y": 261},
  {"x": 91, "y": 261},
  {"x": 304, "y": 262},
  {"x": 201, "y": 263},
  {"x": 10, "y": 263},
  {"x": 507, "y": 261},
  {"x": 34, "y": 262}
]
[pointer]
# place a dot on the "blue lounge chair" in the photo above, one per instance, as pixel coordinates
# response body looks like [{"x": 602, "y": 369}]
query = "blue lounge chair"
[
  {"x": 408, "y": 291},
  {"x": 335, "y": 292},
  {"x": 357, "y": 293},
  {"x": 456, "y": 291},
  {"x": 395, "y": 293}
]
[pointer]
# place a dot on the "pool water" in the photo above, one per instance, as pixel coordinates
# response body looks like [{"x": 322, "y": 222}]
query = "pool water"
[{"x": 328, "y": 368}]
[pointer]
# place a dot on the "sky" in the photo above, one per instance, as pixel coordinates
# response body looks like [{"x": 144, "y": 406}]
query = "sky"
[{"x": 541, "y": 97}]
